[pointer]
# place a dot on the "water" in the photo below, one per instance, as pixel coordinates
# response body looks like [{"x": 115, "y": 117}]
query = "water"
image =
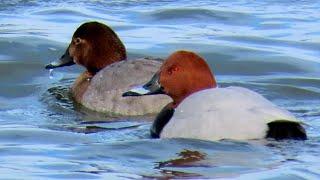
[{"x": 269, "y": 46}]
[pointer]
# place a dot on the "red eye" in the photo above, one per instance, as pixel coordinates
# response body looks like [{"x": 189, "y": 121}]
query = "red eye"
[{"x": 173, "y": 69}]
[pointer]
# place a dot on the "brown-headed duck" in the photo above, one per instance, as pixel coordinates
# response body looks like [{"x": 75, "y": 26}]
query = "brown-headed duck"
[{"x": 108, "y": 72}]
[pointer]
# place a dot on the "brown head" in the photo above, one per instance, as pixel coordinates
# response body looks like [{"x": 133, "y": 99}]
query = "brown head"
[
  {"x": 94, "y": 46},
  {"x": 182, "y": 74}
]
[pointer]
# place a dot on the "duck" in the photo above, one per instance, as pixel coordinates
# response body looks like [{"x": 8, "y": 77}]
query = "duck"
[
  {"x": 108, "y": 72},
  {"x": 201, "y": 110}
]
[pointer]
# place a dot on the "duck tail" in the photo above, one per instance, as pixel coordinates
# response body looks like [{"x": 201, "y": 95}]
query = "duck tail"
[{"x": 283, "y": 129}]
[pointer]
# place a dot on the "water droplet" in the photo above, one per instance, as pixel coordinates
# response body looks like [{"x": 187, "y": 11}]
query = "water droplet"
[
  {"x": 52, "y": 49},
  {"x": 51, "y": 73}
]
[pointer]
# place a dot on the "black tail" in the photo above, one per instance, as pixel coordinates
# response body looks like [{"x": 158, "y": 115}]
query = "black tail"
[{"x": 282, "y": 129}]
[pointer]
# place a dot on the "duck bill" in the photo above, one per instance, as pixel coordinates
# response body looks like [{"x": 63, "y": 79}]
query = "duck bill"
[
  {"x": 150, "y": 88},
  {"x": 65, "y": 60}
]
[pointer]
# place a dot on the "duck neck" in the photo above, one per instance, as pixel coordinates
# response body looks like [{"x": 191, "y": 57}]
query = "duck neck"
[
  {"x": 176, "y": 102},
  {"x": 80, "y": 86},
  {"x": 178, "y": 99}
]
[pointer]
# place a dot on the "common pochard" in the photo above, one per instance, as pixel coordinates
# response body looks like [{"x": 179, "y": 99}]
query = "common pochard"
[
  {"x": 201, "y": 110},
  {"x": 108, "y": 72}
]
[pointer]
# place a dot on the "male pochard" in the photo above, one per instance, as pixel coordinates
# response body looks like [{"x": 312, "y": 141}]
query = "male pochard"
[
  {"x": 200, "y": 110},
  {"x": 98, "y": 48}
]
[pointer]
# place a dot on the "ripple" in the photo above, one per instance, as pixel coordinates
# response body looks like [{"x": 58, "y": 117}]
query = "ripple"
[
  {"x": 279, "y": 91},
  {"x": 64, "y": 15},
  {"x": 209, "y": 15},
  {"x": 60, "y": 11},
  {"x": 30, "y": 135}
]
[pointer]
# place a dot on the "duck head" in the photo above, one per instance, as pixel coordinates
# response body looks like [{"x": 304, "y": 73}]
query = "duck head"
[
  {"x": 94, "y": 46},
  {"x": 182, "y": 74}
]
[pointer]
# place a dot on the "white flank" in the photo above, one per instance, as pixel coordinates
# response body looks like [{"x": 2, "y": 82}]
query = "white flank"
[{"x": 224, "y": 113}]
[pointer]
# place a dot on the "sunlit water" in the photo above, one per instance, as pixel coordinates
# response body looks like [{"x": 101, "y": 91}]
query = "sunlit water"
[{"x": 272, "y": 47}]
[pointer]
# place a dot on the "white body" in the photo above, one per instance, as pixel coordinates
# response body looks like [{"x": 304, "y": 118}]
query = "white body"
[{"x": 224, "y": 113}]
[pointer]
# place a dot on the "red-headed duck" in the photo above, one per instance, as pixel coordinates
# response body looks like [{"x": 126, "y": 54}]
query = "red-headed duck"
[
  {"x": 98, "y": 48},
  {"x": 201, "y": 110}
]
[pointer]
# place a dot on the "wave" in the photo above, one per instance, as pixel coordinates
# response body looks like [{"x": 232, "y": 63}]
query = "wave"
[
  {"x": 279, "y": 91},
  {"x": 201, "y": 14},
  {"x": 63, "y": 12}
]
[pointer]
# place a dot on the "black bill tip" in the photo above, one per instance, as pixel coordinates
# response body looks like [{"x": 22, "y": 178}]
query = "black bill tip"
[
  {"x": 64, "y": 60},
  {"x": 130, "y": 93},
  {"x": 50, "y": 66},
  {"x": 59, "y": 63}
]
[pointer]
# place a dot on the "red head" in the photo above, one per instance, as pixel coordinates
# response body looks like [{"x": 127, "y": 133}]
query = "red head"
[{"x": 182, "y": 74}]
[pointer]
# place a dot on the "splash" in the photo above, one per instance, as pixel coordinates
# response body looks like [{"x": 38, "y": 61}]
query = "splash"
[{"x": 50, "y": 73}]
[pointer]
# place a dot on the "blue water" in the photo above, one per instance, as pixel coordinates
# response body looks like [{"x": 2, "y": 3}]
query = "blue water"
[{"x": 269, "y": 46}]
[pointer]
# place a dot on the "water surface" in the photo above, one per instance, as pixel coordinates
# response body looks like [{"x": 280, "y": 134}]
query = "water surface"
[{"x": 269, "y": 46}]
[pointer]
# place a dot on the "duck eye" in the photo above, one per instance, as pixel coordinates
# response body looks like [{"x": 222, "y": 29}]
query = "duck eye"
[
  {"x": 77, "y": 41},
  {"x": 173, "y": 69}
]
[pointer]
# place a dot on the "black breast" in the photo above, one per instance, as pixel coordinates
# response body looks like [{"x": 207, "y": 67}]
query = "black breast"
[{"x": 161, "y": 120}]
